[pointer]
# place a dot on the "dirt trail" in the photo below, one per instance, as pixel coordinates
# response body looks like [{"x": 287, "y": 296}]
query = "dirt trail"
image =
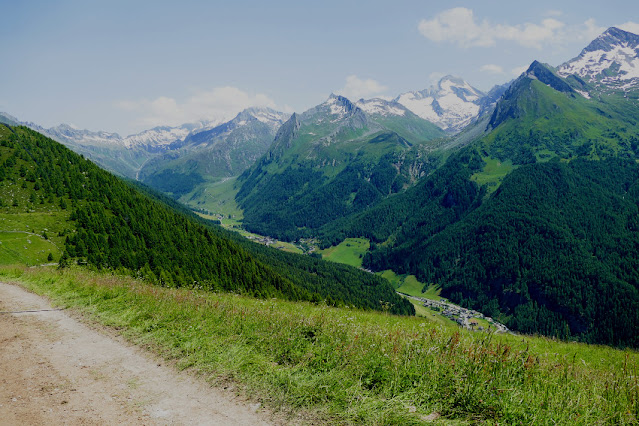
[{"x": 56, "y": 370}]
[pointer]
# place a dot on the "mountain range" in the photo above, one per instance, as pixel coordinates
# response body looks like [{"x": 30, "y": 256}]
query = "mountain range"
[
  {"x": 451, "y": 105},
  {"x": 332, "y": 160},
  {"x": 520, "y": 202}
]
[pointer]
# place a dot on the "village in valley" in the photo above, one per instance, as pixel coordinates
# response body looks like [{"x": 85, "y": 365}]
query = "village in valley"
[{"x": 466, "y": 318}]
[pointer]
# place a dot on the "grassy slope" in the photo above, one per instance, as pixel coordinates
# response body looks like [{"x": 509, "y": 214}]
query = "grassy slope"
[
  {"x": 346, "y": 366},
  {"x": 217, "y": 198},
  {"x": 24, "y": 247},
  {"x": 349, "y": 251}
]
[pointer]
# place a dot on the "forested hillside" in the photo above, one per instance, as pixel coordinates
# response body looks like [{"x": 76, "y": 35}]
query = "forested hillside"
[
  {"x": 112, "y": 225},
  {"x": 334, "y": 160},
  {"x": 554, "y": 251}
]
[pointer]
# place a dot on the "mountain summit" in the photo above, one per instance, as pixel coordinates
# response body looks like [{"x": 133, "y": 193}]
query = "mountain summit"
[
  {"x": 611, "y": 60},
  {"x": 451, "y": 104}
]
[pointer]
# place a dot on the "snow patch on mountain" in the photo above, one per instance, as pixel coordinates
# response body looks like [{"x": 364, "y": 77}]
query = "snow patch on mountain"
[
  {"x": 336, "y": 106},
  {"x": 268, "y": 116},
  {"x": 452, "y": 104},
  {"x": 381, "y": 107},
  {"x": 612, "y": 59},
  {"x": 591, "y": 64},
  {"x": 161, "y": 136},
  {"x": 66, "y": 133}
]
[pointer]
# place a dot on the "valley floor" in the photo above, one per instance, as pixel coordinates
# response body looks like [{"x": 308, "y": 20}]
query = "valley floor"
[{"x": 56, "y": 370}]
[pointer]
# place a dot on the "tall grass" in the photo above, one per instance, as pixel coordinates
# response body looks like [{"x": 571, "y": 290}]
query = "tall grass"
[{"x": 347, "y": 366}]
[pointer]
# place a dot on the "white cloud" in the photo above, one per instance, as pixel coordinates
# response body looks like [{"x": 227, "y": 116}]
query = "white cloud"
[
  {"x": 517, "y": 71},
  {"x": 216, "y": 104},
  {"x": 460, "y": 26},
  {"x": 456, "y": 25},
  {"x": 356, "y": 88},
  {"x": 632, "y": 27},
  {"x": 492, "y": 68}
]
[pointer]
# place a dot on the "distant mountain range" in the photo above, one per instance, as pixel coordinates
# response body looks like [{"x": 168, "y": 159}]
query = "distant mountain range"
[
  {"x": 451, "y": 105},
  {"x": 207, "y": 155},
  {"x": 219, "y": 149}
]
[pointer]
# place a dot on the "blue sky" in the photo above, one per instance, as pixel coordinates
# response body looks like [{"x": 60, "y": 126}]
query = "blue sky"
[{"x": 125, "y": 66}]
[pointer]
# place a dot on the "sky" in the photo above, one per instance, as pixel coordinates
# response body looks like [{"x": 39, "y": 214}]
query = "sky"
[{"x": 127, "y": 66}]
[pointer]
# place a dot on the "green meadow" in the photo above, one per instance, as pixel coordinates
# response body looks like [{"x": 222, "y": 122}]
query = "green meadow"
[{"x": 350, "y": 251}]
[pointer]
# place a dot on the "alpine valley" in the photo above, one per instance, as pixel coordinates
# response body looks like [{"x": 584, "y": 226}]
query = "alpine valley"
[{"x": 521, "y": 203}]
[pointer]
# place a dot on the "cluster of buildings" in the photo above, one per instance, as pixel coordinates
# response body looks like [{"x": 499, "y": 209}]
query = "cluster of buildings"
[{"x": 466, "y": 318}]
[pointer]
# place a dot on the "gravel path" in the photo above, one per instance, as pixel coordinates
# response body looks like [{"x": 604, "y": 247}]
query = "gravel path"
[{"x": 56, "y": 370}]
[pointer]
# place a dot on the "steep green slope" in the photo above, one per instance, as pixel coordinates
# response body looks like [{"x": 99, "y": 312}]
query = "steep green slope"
[
  {"x": 111, "y": 225},
  {"x": 337, "y": 284},
  {"x": 331, "y": 161},
  {"x": 434, "y": 202},
  {"x": 535, "y": 122}
]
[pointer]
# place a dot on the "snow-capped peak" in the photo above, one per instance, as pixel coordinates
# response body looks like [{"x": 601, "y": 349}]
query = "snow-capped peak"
[
  {"x": 339, "y": 105},
  {"x": 267, "y": 115},
  {"x": 161, "y": 136},
  {"x": 458, "y": 86},
  {"x": 612, "y": 59},
  {"x": 65, "y": 132},
  {"x": 451, "y": 104},
  {"x": 381, "y": 107}
]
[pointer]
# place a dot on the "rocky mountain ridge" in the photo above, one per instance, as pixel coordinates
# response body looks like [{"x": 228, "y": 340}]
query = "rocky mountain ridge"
[{"x": 609, "y": 61}]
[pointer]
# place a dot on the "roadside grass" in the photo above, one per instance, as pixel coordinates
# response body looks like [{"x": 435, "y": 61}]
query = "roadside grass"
[
  {"x": 350, "y": 251},
  {"x": 346, "y": 366}
]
